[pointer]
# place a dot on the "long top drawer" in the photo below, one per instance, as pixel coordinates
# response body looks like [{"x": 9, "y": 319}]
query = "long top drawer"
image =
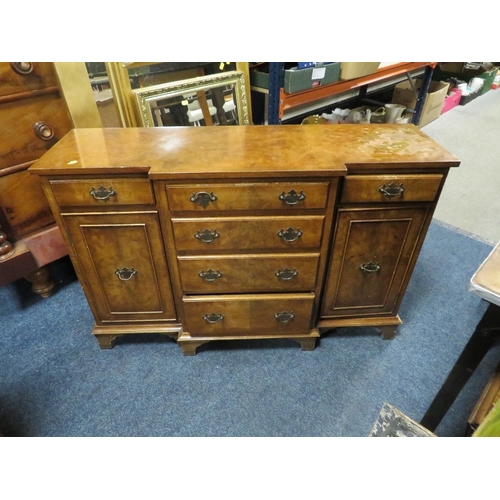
[{"x": 248, "y": 196}]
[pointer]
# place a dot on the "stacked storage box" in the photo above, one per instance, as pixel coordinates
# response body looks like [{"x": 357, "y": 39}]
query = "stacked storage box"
[
  {"x": 404, "y": 94},
  {"x": 298, "y": 78}
]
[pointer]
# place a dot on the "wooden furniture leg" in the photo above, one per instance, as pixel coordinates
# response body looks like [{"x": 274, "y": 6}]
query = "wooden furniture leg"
[
  {"x": 487, "y": 330},
  {"x": 388, "y": 332},
  {"x": 105, "y": 341},
  {"x": 41, "y": 282},
  {"x": 189, "y": 347},
  {"x": 307, "y": 344}
]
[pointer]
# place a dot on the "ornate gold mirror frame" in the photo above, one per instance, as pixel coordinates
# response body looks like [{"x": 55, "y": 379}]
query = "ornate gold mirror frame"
[
  {"x": 207, "y": 100},
  {"x": 125, "y": 100}
]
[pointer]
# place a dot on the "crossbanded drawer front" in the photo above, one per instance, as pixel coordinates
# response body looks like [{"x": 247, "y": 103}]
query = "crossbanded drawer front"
[
  {"x": 248, "y": 315},
  {"x": 248, "y": 273},
  {"x": 248, "y": 196},
  {"x": 390, "y": 188},
  {"x": 103, "y": 192},
  {"x": 248, "y": 233}
]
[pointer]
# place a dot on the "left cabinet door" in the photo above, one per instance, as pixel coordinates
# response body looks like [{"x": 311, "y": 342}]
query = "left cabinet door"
[{"x": 124, "y": 268}]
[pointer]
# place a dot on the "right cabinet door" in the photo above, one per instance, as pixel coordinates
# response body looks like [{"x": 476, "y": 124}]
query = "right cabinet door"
[{"x": 373, "y": 253}]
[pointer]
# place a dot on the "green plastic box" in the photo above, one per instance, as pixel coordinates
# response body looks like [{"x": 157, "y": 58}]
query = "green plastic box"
[{"x": 297, "y": 79}]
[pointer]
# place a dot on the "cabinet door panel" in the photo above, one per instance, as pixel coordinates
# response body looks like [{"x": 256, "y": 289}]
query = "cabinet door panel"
[
  {"x": 124, "y": 265},
  {"x": 371, "y": 255}
]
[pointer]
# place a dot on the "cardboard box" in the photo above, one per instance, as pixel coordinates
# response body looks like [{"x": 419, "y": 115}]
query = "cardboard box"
[
  {"x": 452, "y": 67},
  {"x": 297, "y": 79},
  {"x": 434, "y": 101},
  {"x": 466, "y": 72},
  {"x": 349, "y": 70},
  {"x": 452, "y": 100}
]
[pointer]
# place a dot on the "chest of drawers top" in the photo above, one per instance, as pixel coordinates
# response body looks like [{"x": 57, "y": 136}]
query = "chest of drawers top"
[{"x": 254, "y": 151}]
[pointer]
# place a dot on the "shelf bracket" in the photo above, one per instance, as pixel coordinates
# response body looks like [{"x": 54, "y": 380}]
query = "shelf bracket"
[{"x": 412, "y": 84}]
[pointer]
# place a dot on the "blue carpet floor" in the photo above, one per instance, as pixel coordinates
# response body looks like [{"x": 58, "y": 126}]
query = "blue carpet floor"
[{"x": 55, "y": 381}]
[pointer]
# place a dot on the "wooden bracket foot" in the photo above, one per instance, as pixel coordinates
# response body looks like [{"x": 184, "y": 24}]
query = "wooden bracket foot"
[
  {"x": 189, "y": 346},
  {"x": 388, "y": 332},
  {"x": 307, "y": 344},
  {"x": 105, "y": 341}
]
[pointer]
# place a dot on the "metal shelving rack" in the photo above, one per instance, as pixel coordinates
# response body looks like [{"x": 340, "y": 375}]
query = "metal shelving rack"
[{"x": 279, "y": 101}]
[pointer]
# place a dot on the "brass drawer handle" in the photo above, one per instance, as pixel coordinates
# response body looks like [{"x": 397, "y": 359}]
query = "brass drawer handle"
[
  {"x": 285, "y": 316},
  {"x": 203, "y": 198},
  {"x": 213, "y": 318},
  {"x": 43, "y": 131},
  {"x": 286, "y": 274},
  {"x": 290, "y": 235},
  {"x": 125, "y": 273},
  {"x": 371, "y": 267},
  {"x": 292, "y": 198},
  {"x": 392, "y": 189},
  {"x": 101, "y": 193},
  {"x": 210, "y": 275},
  {"x": 22, "y": 68},
  {"x": 206, "y": 235}
]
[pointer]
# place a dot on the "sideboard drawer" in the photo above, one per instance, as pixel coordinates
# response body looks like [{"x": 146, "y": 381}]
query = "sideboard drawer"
[
  {"x": 248, "y": 196},
  {"x": 390, "y": 188},
  {"x": 248, "y": 273},
  {"x": 235, "y": 233},
  {"x": 102, "y": 192},
  {"x": 240, "y": 315}
]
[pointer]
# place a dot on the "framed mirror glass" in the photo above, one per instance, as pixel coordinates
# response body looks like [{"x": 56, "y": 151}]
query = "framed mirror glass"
[{"x": 204, "y": 101}]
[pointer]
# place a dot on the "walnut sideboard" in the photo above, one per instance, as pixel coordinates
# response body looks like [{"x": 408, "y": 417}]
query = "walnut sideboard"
[{"x": 244, "y": 232}]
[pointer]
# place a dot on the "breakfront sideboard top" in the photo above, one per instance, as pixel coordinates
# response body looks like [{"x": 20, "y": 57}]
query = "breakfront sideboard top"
[{"x": 243, "y": 151}]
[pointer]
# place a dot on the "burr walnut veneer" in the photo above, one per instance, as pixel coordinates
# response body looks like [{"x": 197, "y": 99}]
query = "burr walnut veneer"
[{"x": 248, "y": 232}]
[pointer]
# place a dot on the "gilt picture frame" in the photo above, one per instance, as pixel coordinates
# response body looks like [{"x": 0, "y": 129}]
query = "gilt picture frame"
[{"x": 219, "y": 99}]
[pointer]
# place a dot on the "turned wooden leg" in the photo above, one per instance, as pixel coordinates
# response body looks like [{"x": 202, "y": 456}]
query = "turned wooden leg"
[
  {"x": 41, "y": 282},
  {"x": 105, "y": 341},
  {"x": 307, "y": 344},
  {"x": 6, "y": 248},
  {"x": 388, "y": 332}
]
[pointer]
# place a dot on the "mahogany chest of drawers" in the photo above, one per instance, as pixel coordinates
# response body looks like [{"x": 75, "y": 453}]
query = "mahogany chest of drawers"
[
  {"x": 249, "y": 232},
  {"x": 33, "y": 116},
  {"x": 39, "y": 103}
]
